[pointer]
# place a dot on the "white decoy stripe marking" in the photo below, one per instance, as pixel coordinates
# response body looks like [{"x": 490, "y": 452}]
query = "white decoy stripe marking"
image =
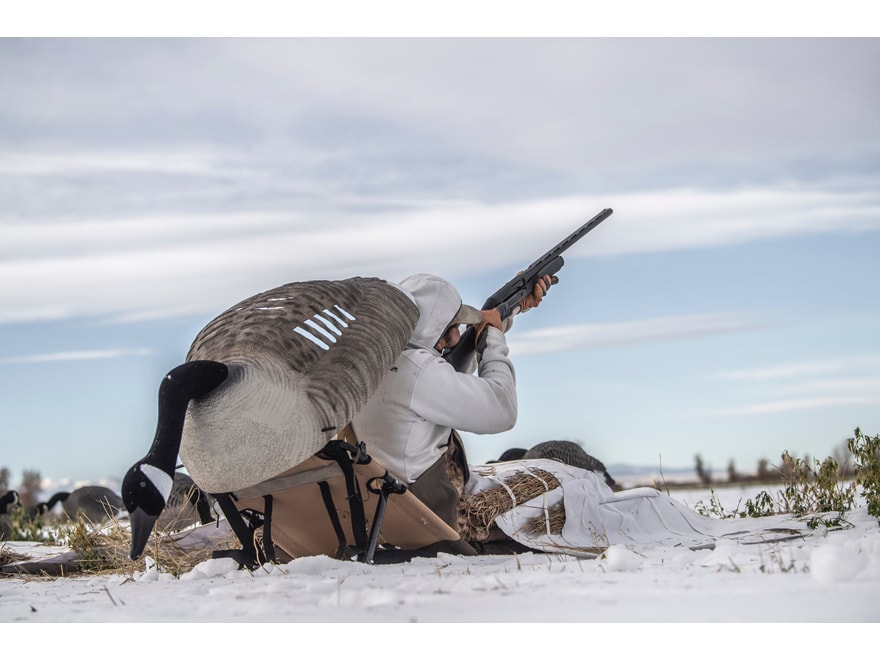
[
  {"x": 308, "y": 335},
  {"x": 329, "y": 325},
  {"x": 159, "y": 479},
  {"x": 336, "y": 318},
  {"x": 318, "y": 328}
]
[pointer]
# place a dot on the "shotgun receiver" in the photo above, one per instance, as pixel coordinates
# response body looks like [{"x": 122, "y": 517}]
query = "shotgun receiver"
[{"x": 509, "y": 296}]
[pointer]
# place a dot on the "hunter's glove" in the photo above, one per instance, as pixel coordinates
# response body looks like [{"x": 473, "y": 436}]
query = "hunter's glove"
[
  {"x": 537, "y": 295},
  {"x": 490, "y": 317}
]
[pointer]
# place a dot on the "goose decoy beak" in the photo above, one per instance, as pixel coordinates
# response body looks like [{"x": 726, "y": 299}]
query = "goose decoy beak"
[{"x": 142, "y": 524}]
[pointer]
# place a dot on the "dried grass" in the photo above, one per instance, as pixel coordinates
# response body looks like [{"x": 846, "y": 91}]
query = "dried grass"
[
  {"x": 7, "y": 556},
  {"x": 537, "y": 526},
  {"x": 478, "y": 512},
  {"x": 104, "y": 549}
]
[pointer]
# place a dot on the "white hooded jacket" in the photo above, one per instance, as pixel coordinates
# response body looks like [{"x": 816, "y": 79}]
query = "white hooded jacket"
[{"x": 407, "y": 423}]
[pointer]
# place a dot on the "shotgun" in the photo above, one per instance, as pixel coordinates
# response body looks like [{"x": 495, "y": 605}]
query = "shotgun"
[{"x": 509, "y": 296}]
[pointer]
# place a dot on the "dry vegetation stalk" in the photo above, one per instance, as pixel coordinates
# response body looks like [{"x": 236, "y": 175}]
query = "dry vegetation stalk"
[
  {"x": 478, "y": 512},
  {"x": 7, "y": 556},
  {"x": 553, "y": 522}
]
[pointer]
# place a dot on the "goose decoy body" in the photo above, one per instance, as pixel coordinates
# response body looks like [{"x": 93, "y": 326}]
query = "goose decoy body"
[
  {"x": 267, "y": 384},
  {"x": 94, "y": 503},
  {"x": 570, "y": 453}
]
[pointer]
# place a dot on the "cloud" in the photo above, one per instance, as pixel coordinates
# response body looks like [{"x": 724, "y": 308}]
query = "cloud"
[
  {"x": 186, "y": 264},
  {"x": 568, "y": 105},
  {"x": 79, "y": 356},
  {"x": 162, "y": 178},
  {"x": 823, "y": 383},
  {"x": 789, "y": 405},
  {"x": 801, "y": 370},
  {"x": 179, "y": 262},
  {"x": 586, "y": 336}
]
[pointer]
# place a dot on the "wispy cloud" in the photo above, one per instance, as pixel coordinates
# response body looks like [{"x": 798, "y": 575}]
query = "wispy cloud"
[
  {"x": 669, "y": 328},
  {"x": 789, "y": 405},
  {"x": 812, "y": 384},
  {"x": 193, "y": 264},
  {"x": 78, "y": 356},
  {"x": 867, "y": 362}
]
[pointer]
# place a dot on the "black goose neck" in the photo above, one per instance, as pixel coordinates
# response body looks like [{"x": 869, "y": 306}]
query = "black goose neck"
[{"x": 181, "y": 385}]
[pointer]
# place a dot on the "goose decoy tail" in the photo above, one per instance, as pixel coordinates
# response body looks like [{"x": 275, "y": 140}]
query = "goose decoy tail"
[{"x": 147, "y": 484}]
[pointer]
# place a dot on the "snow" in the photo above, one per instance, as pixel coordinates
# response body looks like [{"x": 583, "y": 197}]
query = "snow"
[{"x": 825, "y": 576}]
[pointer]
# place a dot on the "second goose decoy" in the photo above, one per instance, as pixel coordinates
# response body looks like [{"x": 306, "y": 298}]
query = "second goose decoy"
[
  {"x": 9, "y": 500},
  {"x": 94, "y": 503},
  {"x": 570, "y": 453}
]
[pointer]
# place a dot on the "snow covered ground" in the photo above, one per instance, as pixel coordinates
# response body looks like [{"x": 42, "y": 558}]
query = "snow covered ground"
[{"x": 826, "y": 577}]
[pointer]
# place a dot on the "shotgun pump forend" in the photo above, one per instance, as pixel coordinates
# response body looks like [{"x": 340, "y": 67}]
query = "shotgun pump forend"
[{"x": 508, "y": 298}]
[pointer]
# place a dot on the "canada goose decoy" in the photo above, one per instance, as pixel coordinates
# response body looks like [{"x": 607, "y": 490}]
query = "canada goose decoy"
[
  {"x": 570, "y": 453},
  {"x": 512, "y": 454},
  {"x": 266, "y": 385},
  {"x": 9, "y": 500},
  {"x": 94, "y": 503},
  {"x": 187, "y": 505}
]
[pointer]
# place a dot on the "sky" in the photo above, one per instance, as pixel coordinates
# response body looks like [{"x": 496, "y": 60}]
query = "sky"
[
  {"x": 826, "y": 578},
  {"x": 727, "y": 308}
]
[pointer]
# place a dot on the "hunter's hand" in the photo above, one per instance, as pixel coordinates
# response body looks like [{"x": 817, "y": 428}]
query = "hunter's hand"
[
  {"x": 537, "y": 295},
  {"x": 490, "y": 317}
]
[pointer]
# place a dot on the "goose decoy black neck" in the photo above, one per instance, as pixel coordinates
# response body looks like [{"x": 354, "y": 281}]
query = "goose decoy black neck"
[
  {"x": 45, "y": 507},
  {"x": 147, "y": 484}
]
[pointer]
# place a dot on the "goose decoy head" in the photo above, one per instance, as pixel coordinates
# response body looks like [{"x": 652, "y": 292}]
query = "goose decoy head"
[
  {"x": 147, "y": 484},
  {"x": 145, "y": 490}
]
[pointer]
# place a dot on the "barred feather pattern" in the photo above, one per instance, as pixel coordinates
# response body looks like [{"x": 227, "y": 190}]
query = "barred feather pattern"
[
  {"x": 569, "y": 453},
  {"x": 304, "y": 357}
]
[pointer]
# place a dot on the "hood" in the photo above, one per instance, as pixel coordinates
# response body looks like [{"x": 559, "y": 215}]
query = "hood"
[{"x": 439, "y": 306}]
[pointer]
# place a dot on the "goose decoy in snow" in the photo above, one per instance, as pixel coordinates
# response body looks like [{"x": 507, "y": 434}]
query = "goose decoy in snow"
[
  {"x": 570, "y": 453},
  {"x": 9, "y": 500},
  {"x": 187, "y": 505},
  {"x": 94, "y": 503},
  {"x": 267, "y": 384}
]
